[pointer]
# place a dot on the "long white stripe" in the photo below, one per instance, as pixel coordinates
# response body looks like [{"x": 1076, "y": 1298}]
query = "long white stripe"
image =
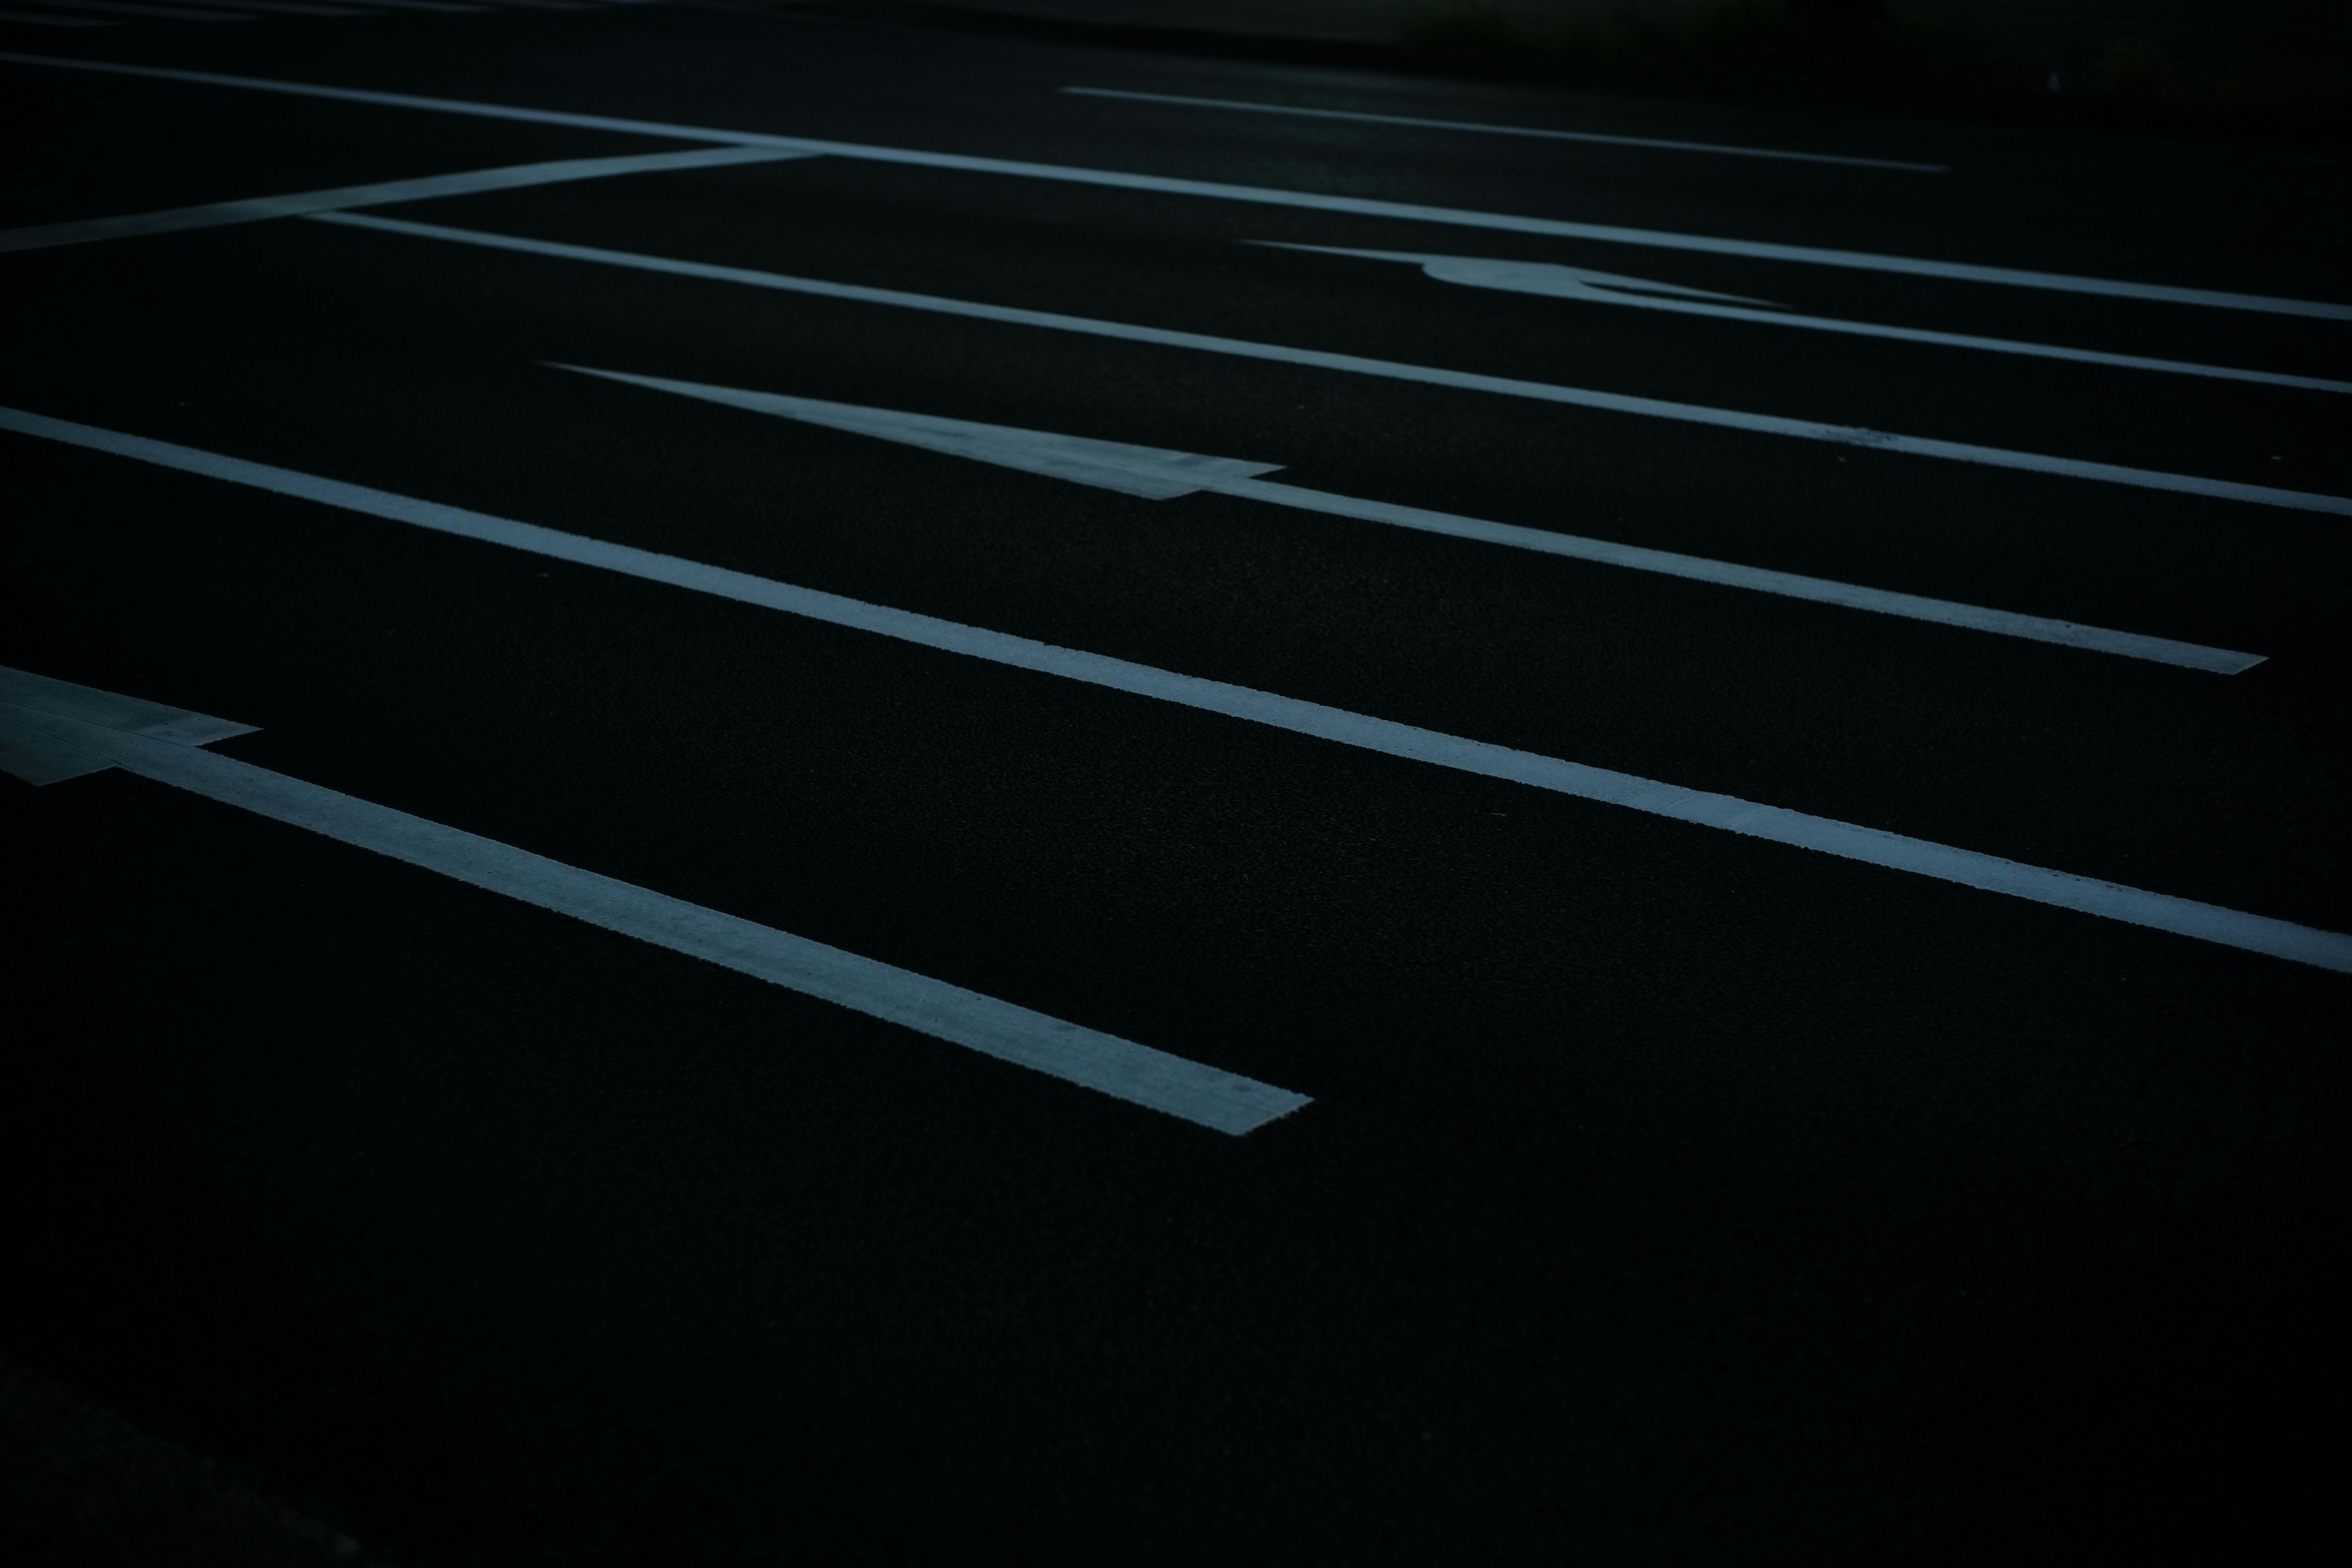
[
  {"x": 255, "y": 209},
  {"x": 1467, "y": 380},
  {"x": 1611, "y": 234},
  {"x": 1546, "y": 281},
  {"x": 1789, "y": 585},
  {"x": 1492, "y": 130},
  {"x": 2111, "y": 900},
  {"x": 1158, "y": 473},
  {"x": 1137, "y": 1074},
  {"x": 1996, "y": 345}
]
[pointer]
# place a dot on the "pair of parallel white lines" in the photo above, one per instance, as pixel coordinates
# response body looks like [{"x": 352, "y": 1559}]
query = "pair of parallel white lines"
[
  {"x": 1142, "y": 471},
  {"x": 50, "y": 731},
  {"x": 334, "y": 206}
]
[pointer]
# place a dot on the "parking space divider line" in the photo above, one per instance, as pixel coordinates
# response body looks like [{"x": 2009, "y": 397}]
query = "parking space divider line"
[
  {"x": 1223, "y": 1101},
  {"x": 1543, "y": 280},
  {"x": 1160, "y": 474},
  {"x": 1755, "y": 579},
  {"x": 429, "y": 187},
  {"x": 1313, "y": 201},
  {"x": 1358, "y": 364},
  {"x": 1487, "y": 127},
  {"x": 1704, "y": 808}
]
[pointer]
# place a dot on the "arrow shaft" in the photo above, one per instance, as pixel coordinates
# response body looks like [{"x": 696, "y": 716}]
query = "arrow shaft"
[
  {"x": 1870, "y": 846},
  {"x": 1758, "y": 579},
  {"x": 1160, "y": 474},
  {"x": 1392, "y": 370},
  {"x": 1227, "y": 1102},
  {"x": 1599, "y": 296}
]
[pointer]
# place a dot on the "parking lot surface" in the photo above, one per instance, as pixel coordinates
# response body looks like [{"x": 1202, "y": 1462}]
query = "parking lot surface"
[{"x": 783, "y": 785}]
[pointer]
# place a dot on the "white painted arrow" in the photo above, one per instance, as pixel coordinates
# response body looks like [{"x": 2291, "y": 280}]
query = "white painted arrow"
[
  {"x": 39, "y": 757},
  {"x": 54, "y": 729},
  {"x": 1159, "y": 474},
  {"x": 1582, "y": 283},
  {"x": 1154, "y": 473},
  {"x": 1365, "y": 732},
  {"x": 1534, "y": 277},
  {"x": 1889, "y": 442}
]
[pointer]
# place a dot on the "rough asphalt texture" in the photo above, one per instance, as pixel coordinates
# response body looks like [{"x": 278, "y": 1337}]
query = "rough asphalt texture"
[{"x": 1666, "y": 1197}]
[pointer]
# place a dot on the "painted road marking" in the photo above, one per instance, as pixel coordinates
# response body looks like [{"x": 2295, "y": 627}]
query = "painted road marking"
[
  {"x": 1158, "y": 474},
  {"x": 46, "y": 720},
  {"x": 1356, "y": 365},
  {"x": 1919, "y": 857},
  {"x": 1583, "y": 284},
  {"x": 41, "y": 759},
  {"x": 255, "y": 209},
  {"x": 1492, "y": 130},
  {"x": 1608, "y": 233},
  {"x": 1153, "y": 473}
]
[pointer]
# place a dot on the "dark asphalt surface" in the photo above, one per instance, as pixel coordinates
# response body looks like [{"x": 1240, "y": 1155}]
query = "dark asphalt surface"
[{"x": 1667, "y": 1196}]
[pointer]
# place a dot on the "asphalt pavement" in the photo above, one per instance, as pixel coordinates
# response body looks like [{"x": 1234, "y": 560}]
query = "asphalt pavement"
[{"x": 1268, "y": 813}]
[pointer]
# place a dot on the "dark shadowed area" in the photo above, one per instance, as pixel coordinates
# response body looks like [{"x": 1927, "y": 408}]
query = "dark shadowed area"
[{"x": 1172, "y": 781}]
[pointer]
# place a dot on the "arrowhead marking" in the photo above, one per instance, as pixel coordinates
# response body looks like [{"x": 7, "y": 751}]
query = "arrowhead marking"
[
  {"x": 39, "y": 755},
  {"x": 1155, "y": 473},
  {"x": 1529, "y": 277}
]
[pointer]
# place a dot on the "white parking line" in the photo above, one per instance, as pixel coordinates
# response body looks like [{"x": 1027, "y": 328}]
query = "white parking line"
[
  {"x": 1610, "y": 234},
  {"x": 1551, "y": 280},
  {"x": 49, "y": 720},
  {"x": 255, "y": 209},
  {"x": 1356, "y": 365},
  {"x": 1488, "y": 128},
  {"x": 1704, "y": 808},
  {"x": 41, "y": 759},
  {"x": 1159, "y": 474}
]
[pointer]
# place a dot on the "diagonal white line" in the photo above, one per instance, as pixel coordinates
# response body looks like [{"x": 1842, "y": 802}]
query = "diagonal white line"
[
  {"x": 1487, "y": 127},
  {"x": 1158, "y": 474},
  {"x": 1610, "y": 234},
  {"x": 1756, "y": 579},
  {"x": 255, "y": 209},
  {"x": 1919, "y": 857},
  {"x": 1392, "y": 370},
  {"x": 1546, "y": 280},
  {"x": 1227, "y": 1102}
]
